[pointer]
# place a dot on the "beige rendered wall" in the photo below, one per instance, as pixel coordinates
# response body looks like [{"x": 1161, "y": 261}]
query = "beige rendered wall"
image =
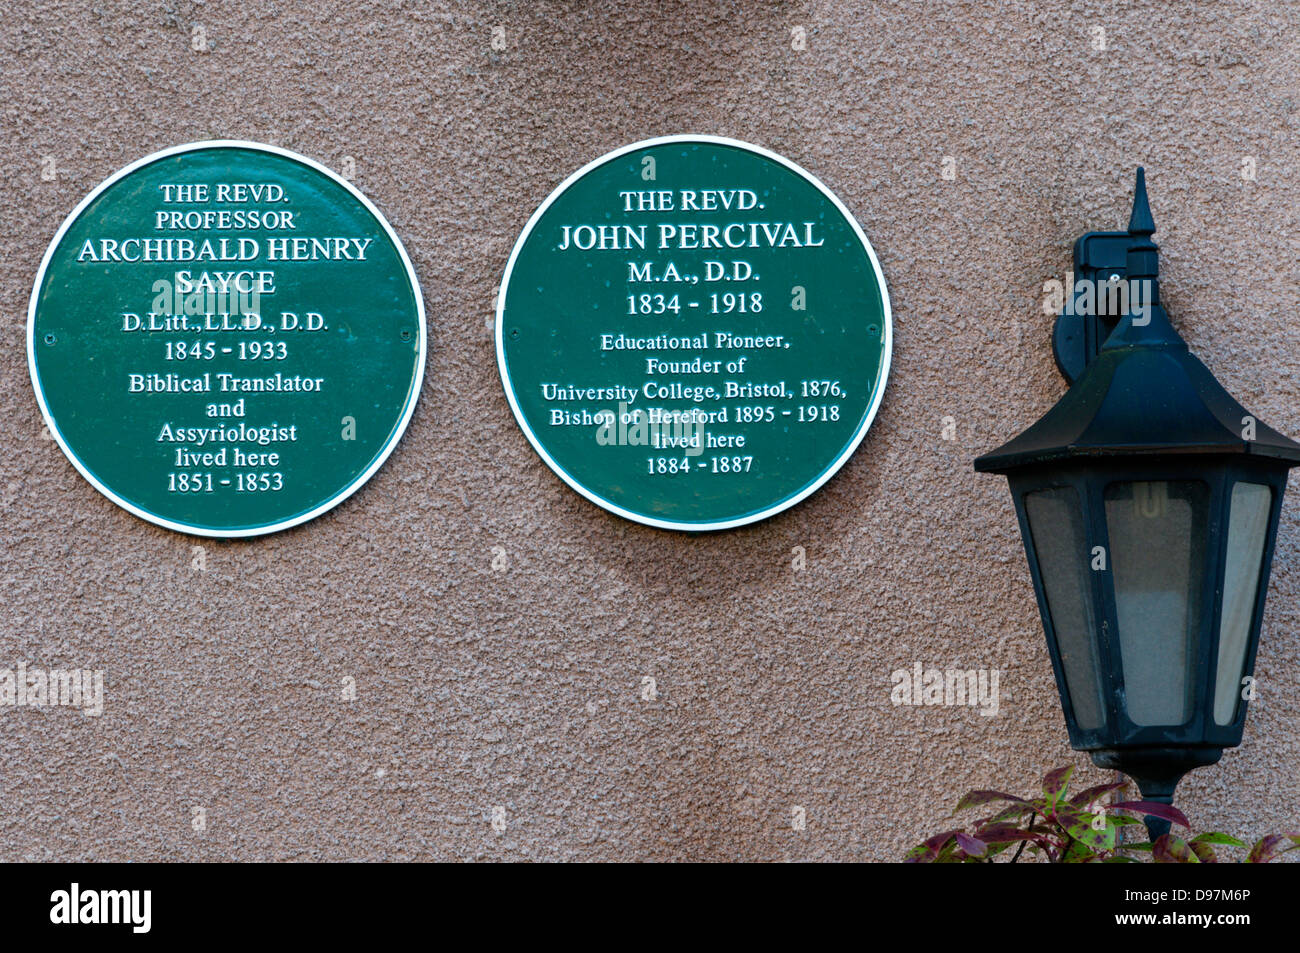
[{"x": 522, "y": 689}]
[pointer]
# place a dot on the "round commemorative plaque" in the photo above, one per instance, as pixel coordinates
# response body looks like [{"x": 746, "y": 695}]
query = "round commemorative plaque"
[
  {"x": 226, "y": 339},
  {"x": 693, "y": 333}
]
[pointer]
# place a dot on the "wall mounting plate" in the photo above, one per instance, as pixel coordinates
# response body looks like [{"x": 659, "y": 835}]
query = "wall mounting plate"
[{"x": 1080, "y": 331}]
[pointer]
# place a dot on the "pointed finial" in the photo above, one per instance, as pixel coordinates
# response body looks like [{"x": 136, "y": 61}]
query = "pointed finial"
[
  {"x": 1141, "y": 222},
  {"x": 1143, "y": 255}
]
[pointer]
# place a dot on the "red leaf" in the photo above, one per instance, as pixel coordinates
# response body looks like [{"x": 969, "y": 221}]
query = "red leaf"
[
  {"x": 1006, "y": 835},
  {"x": 938, "y": 840},
  {"x": 973, "y": 846},
  {"x": 1008, "y": 813},
  {"x": 976, "y": 798},
  {"x": 1090, "y": 795},
  {"x": 928, "y": 850},
  {"x": 1155, "y": 809}
]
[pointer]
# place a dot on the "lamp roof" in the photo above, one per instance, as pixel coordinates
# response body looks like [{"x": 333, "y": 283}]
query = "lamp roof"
[{"x": 1144, "y": 393}]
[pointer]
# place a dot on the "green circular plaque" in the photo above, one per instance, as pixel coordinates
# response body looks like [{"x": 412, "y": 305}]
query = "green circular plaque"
[
  {"x": 226, "y": 339},
  {"x": 693, "y": 332}
]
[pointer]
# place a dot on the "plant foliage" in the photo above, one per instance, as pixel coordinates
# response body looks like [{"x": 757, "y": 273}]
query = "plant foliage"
[{"x": 1078, "y": 830}]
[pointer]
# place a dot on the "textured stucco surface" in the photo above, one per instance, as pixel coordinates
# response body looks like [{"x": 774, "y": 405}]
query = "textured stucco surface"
[{"x": 522, "y": 688}]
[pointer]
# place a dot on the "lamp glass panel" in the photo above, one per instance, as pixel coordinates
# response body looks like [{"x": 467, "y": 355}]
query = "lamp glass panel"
[
  {"x": 1056, "y": 524},
  {"x": 1244, "y": 557},
  {"x": 1157, "y": 552}
]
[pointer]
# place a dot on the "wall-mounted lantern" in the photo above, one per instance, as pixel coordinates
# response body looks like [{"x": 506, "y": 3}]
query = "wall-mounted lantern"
[{"x": 1148, "y": 501}]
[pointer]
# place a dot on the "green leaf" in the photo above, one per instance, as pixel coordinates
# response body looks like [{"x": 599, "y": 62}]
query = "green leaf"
[
  {"x": 948, "y": 854},
  {"x": 1078, "y": 853},
  {"x": 1123, "y": 820},
  {"x": 1169, "y": 849},
  {"x": 920, "y": 854},
  {"x": 1215, "y": 837},
  {"x": 1204, "y": 852},
  {"x": 1054, "y": 785},
  {"x": 1266, "y": 848},
  {"x": 1082, "y": 831}
]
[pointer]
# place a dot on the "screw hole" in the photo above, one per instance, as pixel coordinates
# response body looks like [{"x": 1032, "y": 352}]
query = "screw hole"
[{"x": 50, "y": 339}]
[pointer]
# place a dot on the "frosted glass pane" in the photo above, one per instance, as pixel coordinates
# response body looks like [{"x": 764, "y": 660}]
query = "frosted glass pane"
[
  {"x": 1247, "y": 527},
  {"x": 1056, "y": 526},
  {"x": 1157, "y": 553}
]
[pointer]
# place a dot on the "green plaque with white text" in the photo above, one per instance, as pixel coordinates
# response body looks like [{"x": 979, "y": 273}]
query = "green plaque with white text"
[
  {"x": 693, "y": 333},
  {"x": 226, "y": 339}
]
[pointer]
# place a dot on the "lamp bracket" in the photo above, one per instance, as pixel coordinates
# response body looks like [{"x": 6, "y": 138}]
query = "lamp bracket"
[{"x": 1091, "y": 308}]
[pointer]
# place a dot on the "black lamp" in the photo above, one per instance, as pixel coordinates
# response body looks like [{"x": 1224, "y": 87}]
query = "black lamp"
[{"x": 1148, "y": 501}]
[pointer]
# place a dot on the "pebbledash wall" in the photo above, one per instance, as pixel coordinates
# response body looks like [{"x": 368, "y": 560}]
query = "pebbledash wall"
[{"x": 534, "y": 677}]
